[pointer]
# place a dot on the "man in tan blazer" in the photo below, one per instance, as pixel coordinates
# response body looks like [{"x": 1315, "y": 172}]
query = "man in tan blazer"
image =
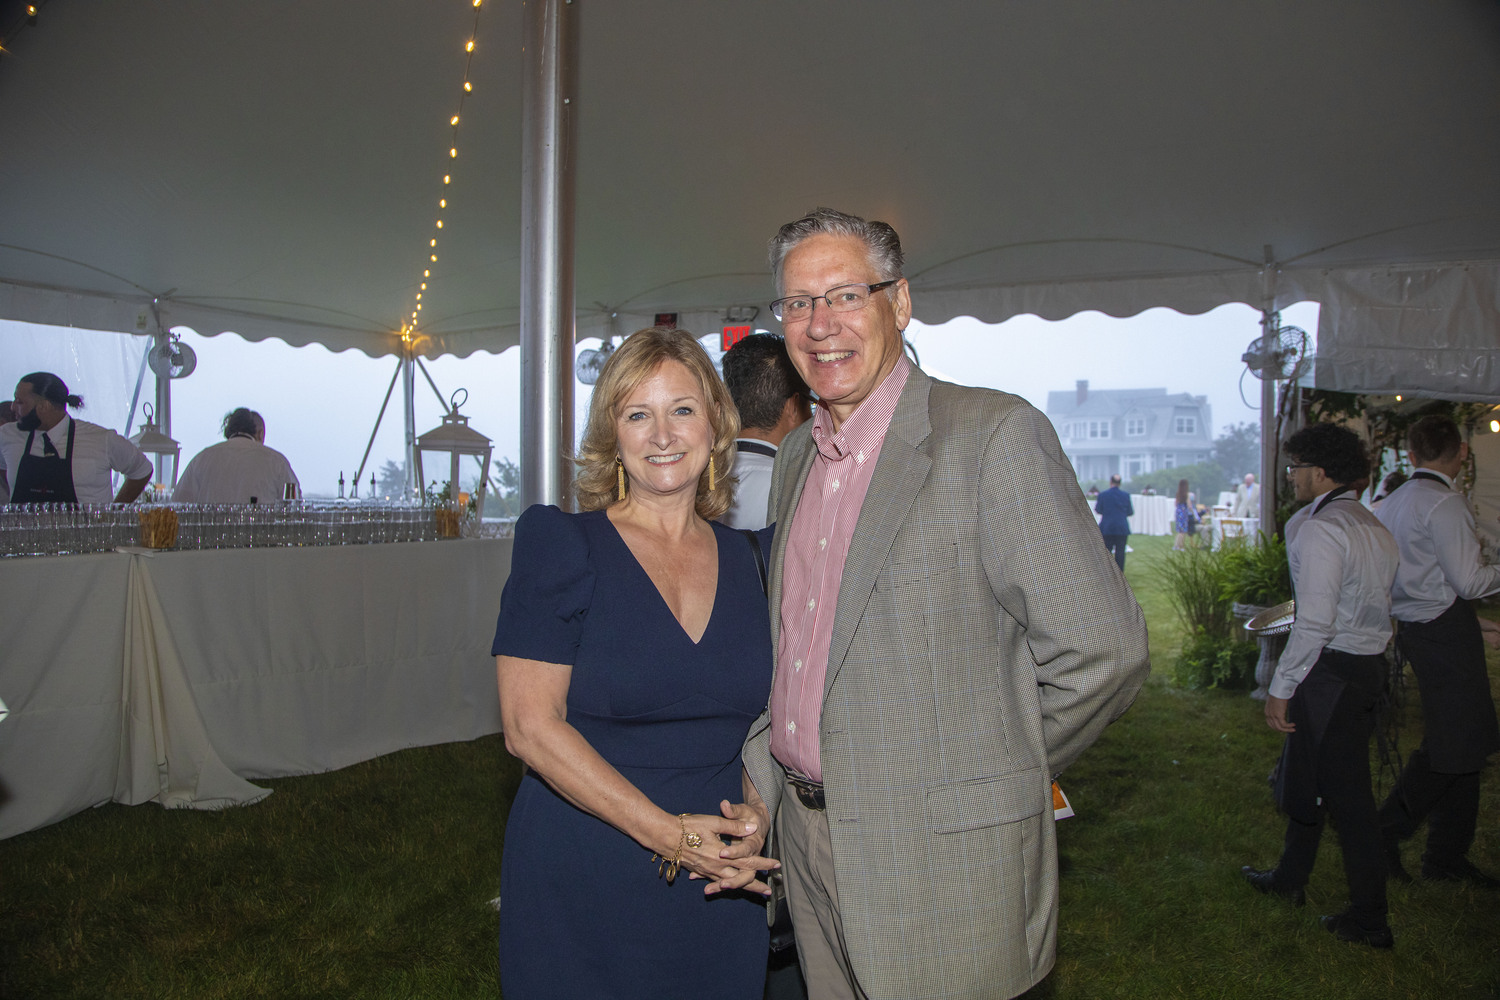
[{"x": 949, "y": 636}]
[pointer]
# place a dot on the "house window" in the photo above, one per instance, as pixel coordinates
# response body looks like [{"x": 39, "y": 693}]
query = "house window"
[
  {"x": 1098, "y": 428},
  {"x": 1135, "y": 427},
  {"x": 1135, "y": 465},
  {"x": 1185, "y": 425},
  {"x": 1169, "y": 461}
]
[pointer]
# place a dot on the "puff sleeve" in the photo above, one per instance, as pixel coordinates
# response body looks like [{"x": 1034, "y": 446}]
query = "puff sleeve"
[{"x": 546, "y": 599}]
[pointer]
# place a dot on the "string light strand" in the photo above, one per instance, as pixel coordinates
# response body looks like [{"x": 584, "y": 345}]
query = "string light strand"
[{"x": 409, "y": 327}]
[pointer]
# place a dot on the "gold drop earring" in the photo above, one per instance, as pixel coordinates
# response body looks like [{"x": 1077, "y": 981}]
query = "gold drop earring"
[
  {"x": 620, "y": 477},
  {"x": 710, "y": 472}
]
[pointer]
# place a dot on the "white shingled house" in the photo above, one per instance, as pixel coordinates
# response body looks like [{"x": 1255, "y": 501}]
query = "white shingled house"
[{"x": 1130, "y": 431}]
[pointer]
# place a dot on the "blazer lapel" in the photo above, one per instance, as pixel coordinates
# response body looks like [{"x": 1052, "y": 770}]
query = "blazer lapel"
[
  {"x": 900, "y": 473},
  {"x": 800, "y": 455}
]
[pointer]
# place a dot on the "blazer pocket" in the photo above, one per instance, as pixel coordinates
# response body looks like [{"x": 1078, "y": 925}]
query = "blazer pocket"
[
  {"x": 982, "y": 802},
  {"x": 935, "y": 564}
]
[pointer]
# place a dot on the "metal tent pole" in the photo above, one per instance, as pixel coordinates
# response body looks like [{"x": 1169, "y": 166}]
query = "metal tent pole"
[
  {"x": 409, "y": 406},
  {"x": 1270, "y": 479},
  {"x": 163, "y": 413},
  {"x": 547, "y": 173}
]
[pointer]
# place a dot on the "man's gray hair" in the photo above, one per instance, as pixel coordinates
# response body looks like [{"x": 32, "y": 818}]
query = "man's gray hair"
[{"x": 880, "y": 240}]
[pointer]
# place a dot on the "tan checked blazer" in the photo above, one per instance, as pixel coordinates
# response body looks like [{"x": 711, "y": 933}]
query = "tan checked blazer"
[{"x": 983, "y": 639}]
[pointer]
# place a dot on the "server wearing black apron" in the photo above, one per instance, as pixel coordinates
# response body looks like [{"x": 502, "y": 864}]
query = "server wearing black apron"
[
  {"x": 47, "y": 478},
  {"x": 1329, "y": 680},
  {"x": 1442, "y": 638},
  {"x": 48, "y": 456}
]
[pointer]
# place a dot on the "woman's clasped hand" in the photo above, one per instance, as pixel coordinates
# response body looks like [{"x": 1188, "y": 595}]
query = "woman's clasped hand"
[{"x": 728, "y": 850}]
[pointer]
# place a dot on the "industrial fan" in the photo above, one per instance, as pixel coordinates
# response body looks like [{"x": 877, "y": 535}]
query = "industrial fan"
[
  {"x": 591, "y": 362},
  {"x": 172, "y": 358},
  {"x": 1278, "y": 356}
]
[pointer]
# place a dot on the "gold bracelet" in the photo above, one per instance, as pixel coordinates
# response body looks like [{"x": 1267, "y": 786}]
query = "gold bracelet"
[{"x": 670, "y": 866}]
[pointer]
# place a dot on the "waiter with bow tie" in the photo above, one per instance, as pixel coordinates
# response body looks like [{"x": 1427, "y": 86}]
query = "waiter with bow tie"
[
  {"x": 49, "y": 456},
  {"x": 1441, "y": 572}
]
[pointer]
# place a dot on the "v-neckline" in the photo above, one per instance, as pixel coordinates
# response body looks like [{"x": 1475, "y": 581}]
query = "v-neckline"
[{"x": 713, "y": 609}]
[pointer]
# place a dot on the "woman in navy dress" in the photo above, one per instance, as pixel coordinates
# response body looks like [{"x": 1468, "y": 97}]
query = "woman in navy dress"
[{"x": 634, "y": 652}]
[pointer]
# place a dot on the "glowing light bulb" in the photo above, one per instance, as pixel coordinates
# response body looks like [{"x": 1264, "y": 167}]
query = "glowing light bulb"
[
  {"x": 1495, "y": 426},
  {"x": 447, "y": 179},
  {"x": 468, "y": 86},
  {"x": 1398, "y": 399},
  {"x": 452, "y": 153},
  {"x": 432, "y": 243},
  {"x": 424, "y": 286},
  {"x": 419, "y": 296},
  {"x": 426, "y": 274},
  {"x": 477, "y": 2},
  {"x": 470, "y": 46},
  {"x": 440, "y": 223},
  {"x": 453, "y": 120},
  {"x": 442, "y": 203},
  {"x": 434, "y": 258},
  {"x": 31, "y": 12}
]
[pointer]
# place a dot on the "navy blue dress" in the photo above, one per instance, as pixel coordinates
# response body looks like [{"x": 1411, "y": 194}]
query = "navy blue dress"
[{"x": 582, "y": 911}]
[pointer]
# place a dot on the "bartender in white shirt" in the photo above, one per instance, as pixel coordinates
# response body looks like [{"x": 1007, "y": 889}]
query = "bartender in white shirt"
[
  {"x": 773, "y": 401},
  {"x": 239, "y": 469},
  {"x": 1329, "y": 680},
  {"x": 1442, "y": 638},
  {"x": 51, "y": 457}
]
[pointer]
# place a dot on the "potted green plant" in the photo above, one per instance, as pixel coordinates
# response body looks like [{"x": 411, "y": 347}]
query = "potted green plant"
[{"x": 1257, "y": 577}]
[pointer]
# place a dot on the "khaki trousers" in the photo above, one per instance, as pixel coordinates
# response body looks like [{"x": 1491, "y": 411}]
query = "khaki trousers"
[{"x": 806, "y": 854}]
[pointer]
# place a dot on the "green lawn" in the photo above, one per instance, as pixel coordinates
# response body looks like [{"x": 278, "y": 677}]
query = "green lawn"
[
  {"x": 375, "y": 881},
  {"x": 1172, "y": 801}
]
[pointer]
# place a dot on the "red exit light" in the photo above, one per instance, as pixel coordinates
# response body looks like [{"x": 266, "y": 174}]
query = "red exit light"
[{"x": 733, "y": 335}]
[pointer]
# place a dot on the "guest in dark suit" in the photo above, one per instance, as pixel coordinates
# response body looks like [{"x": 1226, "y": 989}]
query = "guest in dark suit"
[{"x": 1114, "y": 510}]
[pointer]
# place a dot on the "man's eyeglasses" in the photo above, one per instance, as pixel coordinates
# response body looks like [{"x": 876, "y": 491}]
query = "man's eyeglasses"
[
  {"x": 844, "y": 298},
  {"x": 1299, "y": 465}
]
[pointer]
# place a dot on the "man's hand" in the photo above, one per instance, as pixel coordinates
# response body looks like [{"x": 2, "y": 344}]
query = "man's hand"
[
  {"x": 742, "y": 862},
  {"x": 1490, "y": 632},
  {"x": 1276, "y": 715}
]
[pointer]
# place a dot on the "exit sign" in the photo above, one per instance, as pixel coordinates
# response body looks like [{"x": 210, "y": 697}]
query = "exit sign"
[{"x": 733, "y": 335}]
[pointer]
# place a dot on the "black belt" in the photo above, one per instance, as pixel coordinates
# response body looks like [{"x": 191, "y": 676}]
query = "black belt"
[{"x": 809, "y": 793}]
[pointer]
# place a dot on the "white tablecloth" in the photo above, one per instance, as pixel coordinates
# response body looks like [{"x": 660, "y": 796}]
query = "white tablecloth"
[
  {"x": 175, "y": 677},
  {"x": 1247, "y": 528}
]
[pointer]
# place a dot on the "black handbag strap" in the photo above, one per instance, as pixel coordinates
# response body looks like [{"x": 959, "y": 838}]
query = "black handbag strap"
[{"x": 760, "y": 558}]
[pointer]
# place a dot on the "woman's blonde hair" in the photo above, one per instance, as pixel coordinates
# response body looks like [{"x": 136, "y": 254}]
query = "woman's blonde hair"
[{"x": 595, "y": 485}]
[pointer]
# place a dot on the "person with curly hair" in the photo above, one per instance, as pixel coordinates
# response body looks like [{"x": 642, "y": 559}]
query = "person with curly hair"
[{"x": 1329, "y": 680}]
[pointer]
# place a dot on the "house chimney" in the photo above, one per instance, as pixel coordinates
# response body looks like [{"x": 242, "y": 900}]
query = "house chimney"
[{"x": 1083, "y": 390}]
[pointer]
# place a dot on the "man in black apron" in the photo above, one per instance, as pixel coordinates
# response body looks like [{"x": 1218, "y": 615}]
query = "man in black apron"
[
  {"x": 1441, "y": 636},
  {"x": 37, "y": 471},
  {"x": 1329, "y": 681},
  {"x": 47, "y": 478}
]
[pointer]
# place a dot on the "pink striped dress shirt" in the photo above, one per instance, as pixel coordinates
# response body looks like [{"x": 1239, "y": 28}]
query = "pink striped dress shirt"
[{"x": 816, "y": 549}]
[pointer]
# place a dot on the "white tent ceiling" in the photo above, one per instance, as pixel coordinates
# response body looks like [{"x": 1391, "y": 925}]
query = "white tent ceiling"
[{"x": 273, "y": 168}]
